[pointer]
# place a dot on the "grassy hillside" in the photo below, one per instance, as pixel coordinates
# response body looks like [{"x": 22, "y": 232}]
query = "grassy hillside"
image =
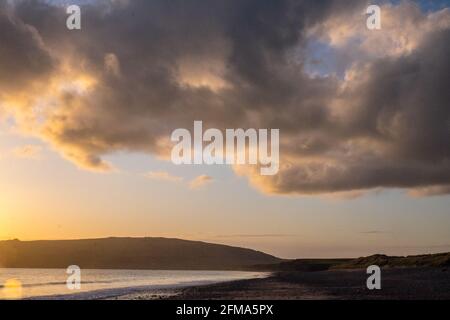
[
  {"x": 307, "y": 265},
  {"x": 129, "y": 253},
  {"x": 303, "y": 265},
  {"x": 426, "y": 260}
]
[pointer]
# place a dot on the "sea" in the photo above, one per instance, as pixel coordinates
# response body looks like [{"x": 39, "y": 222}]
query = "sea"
[{"x": 103, "y": 284}]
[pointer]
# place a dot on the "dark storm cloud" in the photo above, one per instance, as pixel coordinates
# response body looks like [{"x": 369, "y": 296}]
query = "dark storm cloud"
[
  {"x": 160, "y": 65},
  {"x": 150, "y": 38},
  {"x": 414, "y": 90},
  {"x": 22, "y": 53},
  {"x": 403, "y": 114}
]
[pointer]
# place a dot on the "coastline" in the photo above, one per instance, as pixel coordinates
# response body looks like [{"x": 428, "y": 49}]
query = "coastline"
[
  {"x": 427, "y": 283},
  {"x": 177, "y": 292},
  {"x": 145, "y": 292},
  {"x": 398, "y": 283}
]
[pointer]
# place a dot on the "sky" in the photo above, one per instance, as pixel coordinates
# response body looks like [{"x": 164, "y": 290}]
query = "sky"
[{"x": 364, "y": 118}]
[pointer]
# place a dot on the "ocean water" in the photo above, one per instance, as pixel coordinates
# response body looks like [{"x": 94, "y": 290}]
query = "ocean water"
[{"x": 96, "y": 284}]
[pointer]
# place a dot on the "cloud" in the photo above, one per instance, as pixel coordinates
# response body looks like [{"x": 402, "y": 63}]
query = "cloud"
[
  {"x": 269, "y": 235},
  {"x": 195, "y": 183},
  {"x": 373, "y": 232},
  {"x": 131, "y": 76},
  {"x": 162, "y": 176},
  {"x": 404, "y": 27},
  {"x": 23, "y": 53},
  {"x": 430, "y": 191},
  {"x": 200, "y": 181},
  {"x": 28, "y": 152}
]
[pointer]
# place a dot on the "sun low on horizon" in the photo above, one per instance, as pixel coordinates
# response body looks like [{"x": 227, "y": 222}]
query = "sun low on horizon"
[{"x": 355, "y": 123}]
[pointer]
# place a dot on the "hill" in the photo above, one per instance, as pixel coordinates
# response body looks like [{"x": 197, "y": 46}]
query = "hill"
[
  {"x": 307, "y": 265},
  {"x": 426, "y": 260},
  {"x": 129, "y": 253}
]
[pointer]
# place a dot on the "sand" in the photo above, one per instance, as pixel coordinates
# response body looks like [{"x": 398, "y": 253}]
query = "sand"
[{"x": 398, "y": 283}]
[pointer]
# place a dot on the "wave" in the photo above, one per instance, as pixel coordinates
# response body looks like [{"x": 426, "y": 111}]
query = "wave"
[
  {"x": 116, "y": 292},
  {"x": 58, "y": 283}
]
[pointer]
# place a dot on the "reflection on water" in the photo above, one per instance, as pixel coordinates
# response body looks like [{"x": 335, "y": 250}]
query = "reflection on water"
[
  {"x": 12, "y": 289},
  {"x": 27, "y": 283}
]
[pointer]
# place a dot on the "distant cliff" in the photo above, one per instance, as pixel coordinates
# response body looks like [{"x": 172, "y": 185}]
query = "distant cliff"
[{"x": 129, "y": 253}]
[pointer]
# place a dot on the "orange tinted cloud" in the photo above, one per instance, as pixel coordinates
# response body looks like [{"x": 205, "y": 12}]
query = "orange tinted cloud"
[{"x": 90, "y": 94}]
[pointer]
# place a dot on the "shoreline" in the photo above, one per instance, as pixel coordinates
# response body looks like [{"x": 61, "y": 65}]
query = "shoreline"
[
  {"x": 144, "y": 292},
  {"x": 428, "y": 283},
  {"x": 178, "y": 291},
  {"x": 397, "y": 284}
]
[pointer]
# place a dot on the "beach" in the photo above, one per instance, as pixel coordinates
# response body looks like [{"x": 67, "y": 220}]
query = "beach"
[
  {"x": 428, "y": 283},
  {"x": 397, "y": 283}
]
